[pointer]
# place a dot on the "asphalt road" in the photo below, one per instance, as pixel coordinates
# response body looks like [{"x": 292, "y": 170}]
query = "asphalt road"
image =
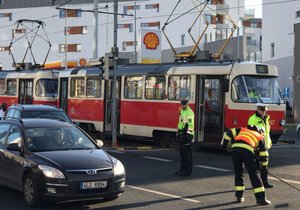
[{"x": 152, "y": 185}]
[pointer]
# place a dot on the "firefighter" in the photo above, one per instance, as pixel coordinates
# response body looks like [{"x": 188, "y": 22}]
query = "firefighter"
[
  {"x": 244, "y": 144},
  {"x": 261, "y": 119},
  {"x": 185, "y": 136}
]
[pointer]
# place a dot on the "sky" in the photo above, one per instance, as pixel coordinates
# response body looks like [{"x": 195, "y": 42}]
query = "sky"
[{"x": 256, "y": 4}]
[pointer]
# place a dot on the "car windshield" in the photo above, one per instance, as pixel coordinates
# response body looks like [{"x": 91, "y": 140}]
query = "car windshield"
[
  {"x": 57, "y": 138},
  {"x": 60, "y": 115}
]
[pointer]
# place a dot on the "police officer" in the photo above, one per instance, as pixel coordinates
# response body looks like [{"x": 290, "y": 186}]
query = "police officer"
[
  {"x": 244, "y": 142},
  {"x": 261, "y": 119},
  {"x": 185, "y": 135}
]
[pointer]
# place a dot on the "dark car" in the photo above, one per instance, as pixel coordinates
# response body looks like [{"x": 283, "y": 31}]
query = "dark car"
[
  {"x": 50, "y": 160},
  {"x": 37, "y": 111}
]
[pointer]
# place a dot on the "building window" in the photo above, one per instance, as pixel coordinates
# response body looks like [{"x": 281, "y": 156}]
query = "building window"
[
  {"x": 18, "y": 31},
  {"x": 76, "y": 30},
  {"x": 126, "y": 25},
  {"x": 71, "y": 48},
  {"x": 130, "y": 7},
  {"x": 4, "y": 48},
  {"x": 298, "y": 14},
  {"x": 69, "y": 13},
  {"x": 151, "y": 24},
  {"x": 182, "y": 39},
  {"x": 128, "y": 43},
  {"x": 152, "y": 6},
  {"x": 272, "y": 50}
]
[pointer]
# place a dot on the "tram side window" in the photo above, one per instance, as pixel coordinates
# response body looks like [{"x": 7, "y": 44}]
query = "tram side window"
[
  {"x": 77, "y": 87},
  {"x": 11, "y": 87},
  {"x": 179, "y": 87},
  {"x": 133, "y": 87},
  {"x": 93, "y": 88},
  {"x": 2, "y": 86},
  {"x": 46, "y": 88},
  {"x": 155, "y": 87}
]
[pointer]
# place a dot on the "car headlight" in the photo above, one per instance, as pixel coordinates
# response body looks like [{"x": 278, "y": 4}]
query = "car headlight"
[
  {"x": 119, "y": 168},
  {"x": 282, "y": 122},
  {"x": 51, "y": 172}
]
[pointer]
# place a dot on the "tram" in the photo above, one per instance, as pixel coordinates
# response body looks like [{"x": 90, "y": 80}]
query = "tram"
[
  {"x": 148, "y": 98},
  {"x": 29, "y": 87}
]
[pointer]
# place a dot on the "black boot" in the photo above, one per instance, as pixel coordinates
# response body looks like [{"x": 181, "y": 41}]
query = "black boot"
[
  {"x": 268, "y": 185},
  {"x": 263, "y": 202}
]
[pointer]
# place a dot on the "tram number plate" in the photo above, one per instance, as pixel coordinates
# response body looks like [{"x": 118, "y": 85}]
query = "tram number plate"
[{"x": 93, "y": 185}]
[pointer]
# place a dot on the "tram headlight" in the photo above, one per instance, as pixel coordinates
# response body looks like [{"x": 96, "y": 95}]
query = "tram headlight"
[{"x": 282, "y": 122}]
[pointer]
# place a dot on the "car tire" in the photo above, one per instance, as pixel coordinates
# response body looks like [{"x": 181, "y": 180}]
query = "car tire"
[
  {"x": 107, "y": 199},
  {"x": 30, "y": 191}
]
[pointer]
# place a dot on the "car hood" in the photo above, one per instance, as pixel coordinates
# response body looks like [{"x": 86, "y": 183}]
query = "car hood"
[{"x": 75, "y": 159}]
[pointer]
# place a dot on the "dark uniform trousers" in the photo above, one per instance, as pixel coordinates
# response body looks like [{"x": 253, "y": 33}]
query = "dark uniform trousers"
[
  {"x": 186, "y": 154},
  {"x": 242, "y": 156}
]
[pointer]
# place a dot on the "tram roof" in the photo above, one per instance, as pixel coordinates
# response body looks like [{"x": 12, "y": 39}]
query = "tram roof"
[
  {"x": 162, "y": 68},
  {"x": 23, "y": 73}
]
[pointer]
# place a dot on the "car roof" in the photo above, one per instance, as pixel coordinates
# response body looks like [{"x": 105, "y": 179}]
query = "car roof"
[
  {"x": 39, "y": 122},
  {"x": 35, "y": 107}
]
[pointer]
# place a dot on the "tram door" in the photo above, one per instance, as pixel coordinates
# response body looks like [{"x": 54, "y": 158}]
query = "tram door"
[
  {"x": 108, "y": 105},
  {"x": 63, "y": 94},
  {"x": 209, "y": 108},
  {"x": 25, "y": 91}
]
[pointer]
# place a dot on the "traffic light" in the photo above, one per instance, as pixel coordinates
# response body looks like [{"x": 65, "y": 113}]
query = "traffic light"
[{"x": 107, "y": 65}]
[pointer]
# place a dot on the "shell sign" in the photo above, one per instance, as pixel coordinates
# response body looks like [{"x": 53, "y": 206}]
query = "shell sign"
[{"x": 151, "y": 41}]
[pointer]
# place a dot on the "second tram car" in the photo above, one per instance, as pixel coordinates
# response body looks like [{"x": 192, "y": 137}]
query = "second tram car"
[
  {"x": 222, "y": 94},
  {"x": 29, "y": 87}
]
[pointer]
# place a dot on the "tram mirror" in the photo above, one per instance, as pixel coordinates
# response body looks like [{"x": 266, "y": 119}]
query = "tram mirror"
[{"x": 225, "y": 85}]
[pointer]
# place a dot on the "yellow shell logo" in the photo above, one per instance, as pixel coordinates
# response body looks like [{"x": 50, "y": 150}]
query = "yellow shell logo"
[{"x": 151, "y": 41}]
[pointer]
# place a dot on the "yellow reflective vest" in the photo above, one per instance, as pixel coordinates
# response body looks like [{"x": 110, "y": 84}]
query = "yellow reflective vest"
[
  {"x": 258, "y": 121},
  {"x": 186, "y": 117}
]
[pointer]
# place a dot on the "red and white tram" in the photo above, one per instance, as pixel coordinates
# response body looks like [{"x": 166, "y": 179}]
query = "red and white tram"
[
  {"x": 222, "y": 94},
  {"x": 29, "y": 87}
]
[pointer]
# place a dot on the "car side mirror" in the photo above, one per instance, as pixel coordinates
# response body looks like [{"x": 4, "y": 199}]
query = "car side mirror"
[
  {"x": 99, "y": 143},
  {"x": 14, "y": 147}
]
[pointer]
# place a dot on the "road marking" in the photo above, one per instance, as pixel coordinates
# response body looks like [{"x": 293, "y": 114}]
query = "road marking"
[
  {"x": 164, "y": 194},
  {"x": 154, "y": 158},
  {"x": 286, "y": 180},
  {"x": 212, "y": 168}
]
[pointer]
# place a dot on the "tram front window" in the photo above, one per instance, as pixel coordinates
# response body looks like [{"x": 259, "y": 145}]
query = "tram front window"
[
  {"x": 47, "y": 88},
  {"x": 254, "y": 89}
]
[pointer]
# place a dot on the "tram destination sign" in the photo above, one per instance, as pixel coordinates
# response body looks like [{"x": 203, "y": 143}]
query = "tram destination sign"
[{"x": 262, "y": 69}]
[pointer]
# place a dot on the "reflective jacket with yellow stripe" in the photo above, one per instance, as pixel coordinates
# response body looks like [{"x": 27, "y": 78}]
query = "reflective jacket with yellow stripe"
[{"x": 247, "y": 139}]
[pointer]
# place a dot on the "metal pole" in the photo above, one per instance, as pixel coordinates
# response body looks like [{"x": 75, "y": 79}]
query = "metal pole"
[
  {"x": 134, "y": 44},
  {"x": 115, "y": 57},
  {"x": 66, "y": 39},
  {"x": 95, "y": 44},
  {"x": 238, "y": 32}
]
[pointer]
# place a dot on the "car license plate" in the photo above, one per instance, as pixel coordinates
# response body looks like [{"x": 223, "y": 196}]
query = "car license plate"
[{"x": 93, "y": 185}]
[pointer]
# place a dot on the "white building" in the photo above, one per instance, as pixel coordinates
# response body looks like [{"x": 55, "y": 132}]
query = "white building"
[
  {"x": 150, "y": 14},
  {"x": 278, "y": 40}
]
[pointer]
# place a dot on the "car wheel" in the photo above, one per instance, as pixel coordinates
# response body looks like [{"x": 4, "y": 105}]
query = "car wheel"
[
  {"x": 30, "y": 192},
  {"x": 107, "y": 199}
]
